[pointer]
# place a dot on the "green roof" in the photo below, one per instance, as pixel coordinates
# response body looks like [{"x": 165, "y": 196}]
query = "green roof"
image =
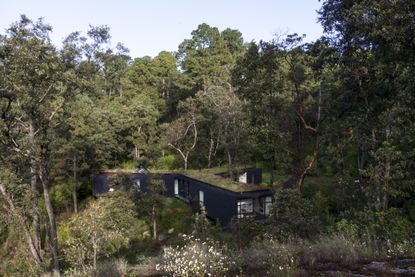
[{"x": 211, "y": 176}]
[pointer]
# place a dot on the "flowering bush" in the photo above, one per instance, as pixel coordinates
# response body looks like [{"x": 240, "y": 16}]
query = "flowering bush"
[
  {"x": 194, "y": 258},
  {"x": 403, "y": 249}
]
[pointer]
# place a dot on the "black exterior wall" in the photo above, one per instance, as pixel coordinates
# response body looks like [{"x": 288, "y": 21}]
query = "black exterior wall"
[
  {"x": 100, "y": 182},
  {"x": 220, "y": 204},
  {"x": 253, "y": 175}
]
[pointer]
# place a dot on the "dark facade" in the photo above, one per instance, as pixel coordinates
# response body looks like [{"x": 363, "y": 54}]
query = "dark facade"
[
  {"x": 221, "y": 204},
  {"x": 254, "y": 175},
  {"x": 100, "y": 182}
]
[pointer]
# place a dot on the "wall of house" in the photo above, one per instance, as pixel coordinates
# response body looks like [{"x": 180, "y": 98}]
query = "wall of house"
[
  {"x": 220, "y": 204},
  {"x": 100, "y": 183},
  {"x": 254, "y": 175}
]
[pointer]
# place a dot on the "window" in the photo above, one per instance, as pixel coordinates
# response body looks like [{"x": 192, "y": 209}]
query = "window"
[
  {"x": 176, "y": 187},
  {"x": 267, "y": 204},
  {"x": 181, "y": 188},
  {"x": 201, "y": 197},
  {"x": 245, "y": 206}
]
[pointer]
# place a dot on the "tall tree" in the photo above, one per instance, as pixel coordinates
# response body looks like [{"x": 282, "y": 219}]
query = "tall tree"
[
  {"x": 182, "y": 133},
  {"x": 376, "y": 43},
  {"x": 34, "y": 85}
]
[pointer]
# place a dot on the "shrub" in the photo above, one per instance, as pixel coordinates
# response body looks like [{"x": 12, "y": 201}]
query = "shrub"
[
  {"x": 331, "y": 249},
  {"x": 61, "y": 195},
  {"x": 175, "y": 215},
  {"x": 278, "y": 258},
  {"x": 404, "y": 249},
  {"x": 194, "y": 258},
  {"x": 388, "y": 225},
  {"x": 166, "y": 162},
  {"x": 101, "y": 230},
  {"x": 293, "y": 215}
]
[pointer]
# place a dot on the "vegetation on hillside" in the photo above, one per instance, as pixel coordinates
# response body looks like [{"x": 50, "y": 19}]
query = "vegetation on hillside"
[{"x": 331, "y": 123}]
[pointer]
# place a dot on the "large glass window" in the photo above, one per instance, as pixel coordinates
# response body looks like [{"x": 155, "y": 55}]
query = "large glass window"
[
  {"x": 245, "y": 206},
  {"x": 181, "y": 188},
  {"x": 176, "y": 187},
  {"x": 201, "y": 197}
]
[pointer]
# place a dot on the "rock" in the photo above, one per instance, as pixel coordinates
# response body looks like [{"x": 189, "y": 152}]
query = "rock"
[
  {"x": 402, "y": 272},
  {"x": 170, "y": 231},
  {"x": 376, "y": 266},
  {"x": 405, "y": 263}
]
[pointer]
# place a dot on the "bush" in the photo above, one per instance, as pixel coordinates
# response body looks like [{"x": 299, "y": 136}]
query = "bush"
[
  {"x": 331, "y": 249},
  {"x": 277, "y": 258},
  {"x": 166, "y": 162},
  {"x": 389, "y": 225},
  {"x": 175, "y": 215},
  {"x": 292, "y": 215},
  {"x": 194, "y": 258},
  {"x": 101, "y": 230},
  {"x": 61, "y": 195}
]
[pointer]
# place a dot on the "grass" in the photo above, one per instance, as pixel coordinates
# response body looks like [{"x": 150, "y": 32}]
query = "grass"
[{"x": 211, "y": 176}]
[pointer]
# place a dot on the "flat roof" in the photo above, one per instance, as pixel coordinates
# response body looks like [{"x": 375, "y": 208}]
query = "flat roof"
[{"x": 208, "y": 175}]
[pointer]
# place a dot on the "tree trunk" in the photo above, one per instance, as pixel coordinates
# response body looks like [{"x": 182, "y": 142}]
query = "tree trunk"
[
  {"x": 34, "y": 188},
  {"x": 34, "y": 251},
  {"x": 44, "y": 177},
  {"x": 228, "y": 152},
  {"x": 211, "y": 148},
  {"x": 271, "y": 171},
  {"x": 75, "y": 185},
  {"x": 153, "y": 215},
  {"x": 300, "y": 178},
  {"x": 185, "y": 163}
]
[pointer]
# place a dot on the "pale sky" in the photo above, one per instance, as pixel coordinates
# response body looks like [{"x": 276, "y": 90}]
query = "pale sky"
[{"x": 148, "y": 27}]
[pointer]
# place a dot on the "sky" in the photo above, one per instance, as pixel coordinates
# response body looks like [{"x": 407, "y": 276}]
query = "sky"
[{"x": 150, "y": 26}]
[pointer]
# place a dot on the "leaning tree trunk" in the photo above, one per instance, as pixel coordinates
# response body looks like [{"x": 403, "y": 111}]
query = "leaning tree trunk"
[
  {"x": 301, "y": 175},
  {"x": 34, "y": 188},
  {"x": 22, "y": 223},
  {"x": 44, "y": 177}
]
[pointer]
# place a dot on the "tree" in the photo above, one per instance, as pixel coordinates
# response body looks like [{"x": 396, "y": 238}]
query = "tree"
[
  {"x": 182, "y": 133},
  {"x": 101, "y": 229},
  {"x": 291, "y": 214},
  {"x": 223, "y": 117},
  {"x": 260, "y": 78},
  {"x": 150, "y": 203},
  {"x": 34, "y": 86},
  {"x": 16, "y": 198},
  {"x": 374, "y": 98},
  {"x": 208, "y": 56}
]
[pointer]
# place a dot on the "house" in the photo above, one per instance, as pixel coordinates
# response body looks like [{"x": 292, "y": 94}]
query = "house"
[{"x": 224, "y": 200}]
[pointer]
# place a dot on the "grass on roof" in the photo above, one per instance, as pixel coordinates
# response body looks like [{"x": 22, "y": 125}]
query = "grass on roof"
[{"x": 210, "y": 176}]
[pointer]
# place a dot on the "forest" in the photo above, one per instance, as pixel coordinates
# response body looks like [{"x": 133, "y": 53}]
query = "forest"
[{"x": 330, "y": 122}]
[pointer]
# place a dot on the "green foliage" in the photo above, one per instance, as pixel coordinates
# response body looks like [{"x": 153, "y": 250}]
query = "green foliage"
[
  {"x": 389, "y": 225},
  {"x": 175, "y": 215},
  {"x": 167, "y": 162},
  {"x": 61, "y": 195},
  {"x": 101, "y": 230},
  {"x": 292, "y": 215}
]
